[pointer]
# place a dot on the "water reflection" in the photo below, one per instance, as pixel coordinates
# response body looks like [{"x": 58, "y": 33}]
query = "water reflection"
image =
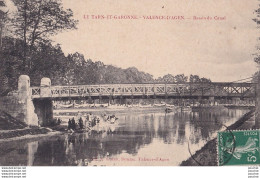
[{"x": 137, "y": 136}]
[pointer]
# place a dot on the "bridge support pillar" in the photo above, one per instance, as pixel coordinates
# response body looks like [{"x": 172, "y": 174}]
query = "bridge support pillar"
[
  {"x": 99, "y": 99},
  {"x": 44, "y": 111},
  {"x": 109, "y": 100},
  {"x": 246, "y": 101},
  {"x": 121, "y": 100},
  {"x": 235, "y": 101},
  {"x": 212, "y": 100},
  {"x": 25, "y": 99},
  {"x": 193, "y": 102},
  {"x": 89, "y": 99},
  {"x": 44, "y": 107},
  {"x": 153, "y": 100},
  {"x": 200, "y": 100}
]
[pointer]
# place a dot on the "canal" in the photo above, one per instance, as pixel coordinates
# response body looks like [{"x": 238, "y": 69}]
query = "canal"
[{"x": 137, "y": 139}]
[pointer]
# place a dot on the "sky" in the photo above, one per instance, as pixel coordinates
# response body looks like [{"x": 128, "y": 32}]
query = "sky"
[{"x": 221, "y": 50}]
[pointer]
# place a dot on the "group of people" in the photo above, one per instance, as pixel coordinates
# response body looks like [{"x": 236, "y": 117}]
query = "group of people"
[
  {"x": 89, "y": 121},
  {"x": 72, "y": 124}
]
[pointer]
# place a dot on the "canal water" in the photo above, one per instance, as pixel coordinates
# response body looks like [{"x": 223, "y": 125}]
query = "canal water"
[{"x": 138, "y": 139}]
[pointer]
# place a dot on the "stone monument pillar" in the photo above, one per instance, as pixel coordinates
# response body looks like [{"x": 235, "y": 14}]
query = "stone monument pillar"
[
  {"x": 45, "y": 87},
  {"x": 24, "y": 95}
]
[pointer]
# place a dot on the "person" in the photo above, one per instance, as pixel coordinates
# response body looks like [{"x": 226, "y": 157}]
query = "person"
[
  {"x": 93, "y": 122},
  {"x": 73, "y": 124},
  {"x": 90, "y": 117},
  {"x": 98, "y": 120},
  {"x": 113, "y": 119},
  {"x": 108, "y": 118},
  {"x": 59, "y": 121},
  {"x": 87, "y": 117},
  {"x": 86, "y": 122},
  {"x": 78, "y": 115},
  {"x": 80, "y": 123},
  {"x": 104, "y": 117},
  {"x": 69, "y": 124}
]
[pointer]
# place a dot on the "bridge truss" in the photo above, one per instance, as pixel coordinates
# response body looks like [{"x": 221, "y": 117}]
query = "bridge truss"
[{"x": 244, "y": 90}]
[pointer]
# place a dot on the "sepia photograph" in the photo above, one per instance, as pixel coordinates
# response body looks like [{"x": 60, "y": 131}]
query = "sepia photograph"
[{"x": 129, "y": 83}]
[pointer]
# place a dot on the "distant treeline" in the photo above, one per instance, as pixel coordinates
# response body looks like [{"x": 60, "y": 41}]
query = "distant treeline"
[{"x": 49, "y": 61}]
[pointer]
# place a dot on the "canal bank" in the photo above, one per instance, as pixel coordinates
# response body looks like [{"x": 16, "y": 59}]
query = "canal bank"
[
  {"x": 24, "y": 134},
  {"x": 12, "y": 129},
  {"x": 207, "y": 155}
]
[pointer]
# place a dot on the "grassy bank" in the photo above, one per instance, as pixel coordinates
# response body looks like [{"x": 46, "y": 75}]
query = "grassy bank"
[
  {"x": 207, "y": 155},
  {"x": 27, "y": 134},
  {"x": 23, "y": 132},
  {"x": 7, "y": 122},
  {"x": 13, "y": 129}
]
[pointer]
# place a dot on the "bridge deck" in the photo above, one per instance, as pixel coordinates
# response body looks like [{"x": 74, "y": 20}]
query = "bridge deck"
[{"x": 185, "y": 90}]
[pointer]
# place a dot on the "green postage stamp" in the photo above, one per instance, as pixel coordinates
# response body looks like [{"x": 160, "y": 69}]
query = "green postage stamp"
[{"x": 238, "y": 147}]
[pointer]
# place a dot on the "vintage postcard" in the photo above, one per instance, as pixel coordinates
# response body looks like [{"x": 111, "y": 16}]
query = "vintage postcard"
[{"x": 129, "y": 83}]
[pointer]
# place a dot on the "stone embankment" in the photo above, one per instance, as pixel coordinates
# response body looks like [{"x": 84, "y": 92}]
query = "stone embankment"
[{"x": 13, "y": 129}]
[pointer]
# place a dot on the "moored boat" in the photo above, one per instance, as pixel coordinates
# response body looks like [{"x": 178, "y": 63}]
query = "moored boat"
[
  {"x": 186, "y": 109},
  {"x": 169, "y": 109}
]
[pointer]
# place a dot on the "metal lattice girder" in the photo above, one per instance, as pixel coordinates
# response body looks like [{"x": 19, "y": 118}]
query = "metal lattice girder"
[
  {"x": 160, "y": 89},
  {"x": 185, "y": 89},
  {"x": 35, "y": 91}
]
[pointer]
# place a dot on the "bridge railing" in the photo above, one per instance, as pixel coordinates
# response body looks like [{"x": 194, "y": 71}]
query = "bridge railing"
[{"x": 187, "y": 89}]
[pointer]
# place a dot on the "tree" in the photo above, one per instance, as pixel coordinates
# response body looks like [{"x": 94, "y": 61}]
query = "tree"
[
  {"x": 205, "y": 80},
  {"x": 36, "y": 20},
  {"x": 194, "y": 78},
  {"x": 9, "y": 64},
  {"x": 181, "y": 78},
  {"x": 166, "y": 79},
  {"x": 257, "y": 20},
  {"x": 3, "y": 17}
]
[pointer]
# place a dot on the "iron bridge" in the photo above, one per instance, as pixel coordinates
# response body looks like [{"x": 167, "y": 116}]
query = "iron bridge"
[{"x": 188, "y": 90}]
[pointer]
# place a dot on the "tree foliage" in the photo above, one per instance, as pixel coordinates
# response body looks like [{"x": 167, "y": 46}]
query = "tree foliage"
[
  {"x": 257, "y": 20},
  {"x": 36, "y": 20},
  {"x": 197, "y": 79}
]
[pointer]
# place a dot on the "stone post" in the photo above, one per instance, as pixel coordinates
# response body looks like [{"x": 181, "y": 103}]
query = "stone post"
[
  {"x": 45, "y": 87},
  {"x": 24, "y": 95}
]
